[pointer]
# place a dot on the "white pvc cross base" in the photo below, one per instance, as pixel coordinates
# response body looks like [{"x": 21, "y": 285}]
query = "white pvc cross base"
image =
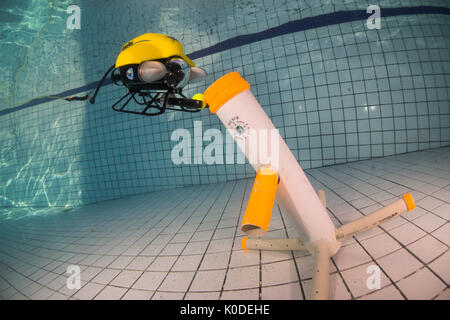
[{"x": 320, "y": 249}]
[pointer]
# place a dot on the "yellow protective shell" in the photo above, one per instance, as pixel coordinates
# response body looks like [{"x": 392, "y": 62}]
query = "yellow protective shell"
[
  {"x": 259, "y": 208},
  {"x": 150, "y": 46}
]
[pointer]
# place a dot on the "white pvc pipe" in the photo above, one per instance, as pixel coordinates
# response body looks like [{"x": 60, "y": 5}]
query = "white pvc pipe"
[
  {"x": 373, "y": 219},
  {"x": 295, "y": 194},
  {"x": 321, "y": 272},
  {"x": 322, "y": 197},
  {"x": 275, "y": 244}
]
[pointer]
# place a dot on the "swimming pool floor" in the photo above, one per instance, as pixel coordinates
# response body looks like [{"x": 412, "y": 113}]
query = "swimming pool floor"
[{"x": 185, "y": 243}]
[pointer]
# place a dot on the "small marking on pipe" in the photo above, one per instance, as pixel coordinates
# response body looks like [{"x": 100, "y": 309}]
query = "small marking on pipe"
[{"x": 389, "y": 217}]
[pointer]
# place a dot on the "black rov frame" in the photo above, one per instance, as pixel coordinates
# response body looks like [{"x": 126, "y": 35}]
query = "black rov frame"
[
  {"x": 155, "y": 97},
  {"x": 152, "y": 98}
]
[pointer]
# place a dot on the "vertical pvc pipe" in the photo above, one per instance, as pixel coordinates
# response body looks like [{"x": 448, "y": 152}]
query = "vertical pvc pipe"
[
  {"x": 321, "y": 272},
  {"x": 230, "y": 98}
]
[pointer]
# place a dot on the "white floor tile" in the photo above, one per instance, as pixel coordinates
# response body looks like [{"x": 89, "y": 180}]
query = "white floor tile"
[
  {"x": 242, "y": 278},
  {"x": 279, "y": 273},
  {"x": 162, "y": 263},
  {"x": 399, "y": 264},
  {"x": 187, "y": 263},
  {"x": 388, "y": 293},
  {"x": 357, "y": 279},
  {"x": 443, "y": 233},
  {"x": 89, "y": 291},
  {"x": 167, "y": 296},
  {"x": 443, "y": 211},
  {"x": 134, "y": 294},
  {"x": 289, "y": 291},
  {"x": 210, "y": 280},
  {"x": 121, "y": 262},
  {"x": 422, "y": 285},
  {"x": 149, "y": 280},
  {"x": 429, "y": 203},
  {"x": 407, "y": 233},
  {"x": 111, "y": 293},
  {"x": 429, "y": 222},
  {"x": 215, "y": 261},
  {"x": 140, "y": 263},
  {"x": 106, "y": 276},
  {"x": 250, "y": 294},
  {"x": 380, "y": 245},
  {"x": 126, "y": 278},
  {"x": 444, "y": 295},
  {"x": 427, "y": 248},
  {"x": 441, "y": 266},
  {"x": 177, "y": 281},
  {"x": 351, "y": 256},
  {"x": 202, "y": 296}
]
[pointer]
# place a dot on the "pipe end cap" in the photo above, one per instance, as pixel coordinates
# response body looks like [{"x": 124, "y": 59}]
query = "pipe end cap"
[
  {"x": 410, "y": 204},
  {"x": 223, "y": 89},
  {"x": 244, "y": 243}
]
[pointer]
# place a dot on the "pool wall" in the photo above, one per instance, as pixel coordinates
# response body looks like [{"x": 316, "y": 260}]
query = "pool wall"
[{"x": 337, "y": 91}]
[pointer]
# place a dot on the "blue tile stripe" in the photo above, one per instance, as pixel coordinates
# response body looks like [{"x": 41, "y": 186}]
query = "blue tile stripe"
[
  {"x": 312, "y": 23},
  {"x": 286, "y": 28}
]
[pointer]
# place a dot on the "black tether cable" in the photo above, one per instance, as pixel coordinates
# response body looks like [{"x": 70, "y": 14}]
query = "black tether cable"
[{"x": 87, "y": 97}]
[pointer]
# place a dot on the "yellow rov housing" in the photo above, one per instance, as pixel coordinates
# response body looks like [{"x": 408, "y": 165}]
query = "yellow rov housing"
[
  {"x": 154, "y": 69},
  {"x": 151, "y": 46}
]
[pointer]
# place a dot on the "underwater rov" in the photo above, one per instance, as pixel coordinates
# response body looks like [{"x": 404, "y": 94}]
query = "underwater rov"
[
  {"x": 284, "y": 180},
  {"x": 154, "y": 70}
]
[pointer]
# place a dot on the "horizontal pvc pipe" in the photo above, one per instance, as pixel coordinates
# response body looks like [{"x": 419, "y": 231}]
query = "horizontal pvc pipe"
[
  {"x": 276, "y": 244},
  {"x": 378, "y": 217}
]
